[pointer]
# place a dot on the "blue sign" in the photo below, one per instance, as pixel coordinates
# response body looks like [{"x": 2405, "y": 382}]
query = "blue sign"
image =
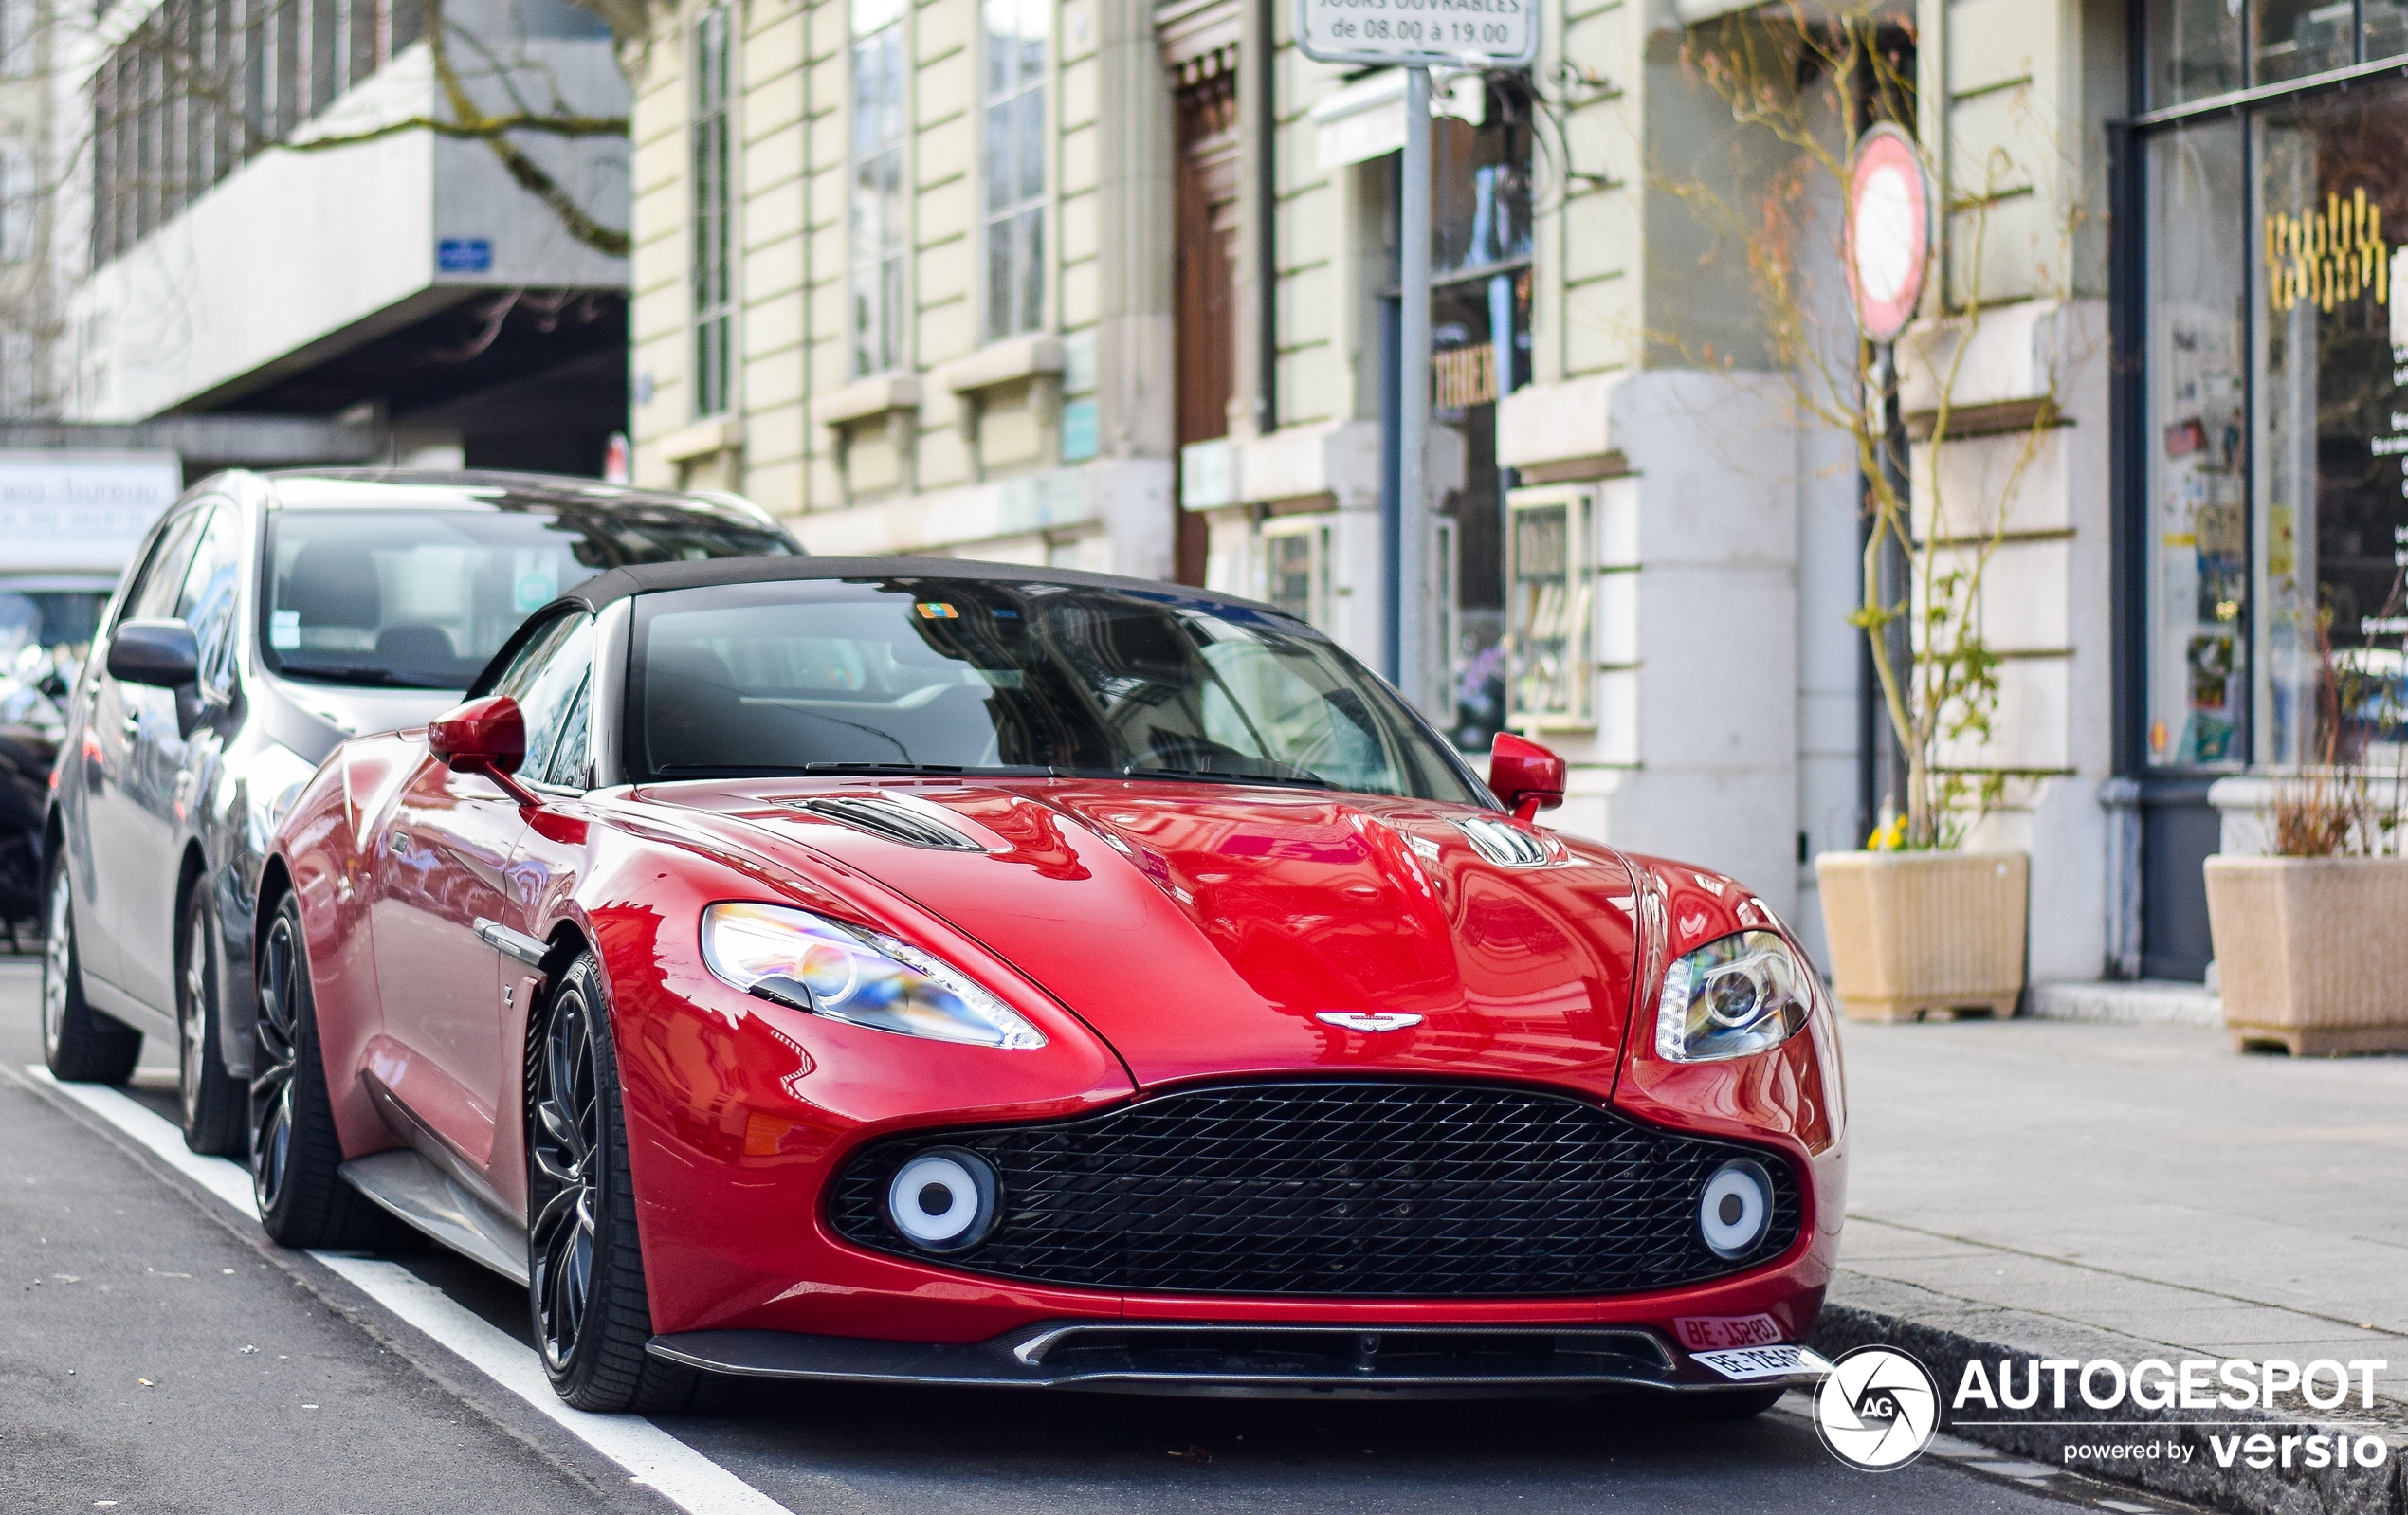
[
  {"x": 1079, "y": 439},
  {"x": 463, "y": 255}
]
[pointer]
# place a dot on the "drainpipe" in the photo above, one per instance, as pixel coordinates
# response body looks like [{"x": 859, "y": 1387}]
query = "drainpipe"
[{"x": 1263, "y": 87}]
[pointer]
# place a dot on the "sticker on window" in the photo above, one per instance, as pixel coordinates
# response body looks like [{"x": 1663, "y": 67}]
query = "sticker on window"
[
  {"x": 536, "y": 588},
  {"x": 284, "y": 629},
  {"x": 937, "y": 610}
]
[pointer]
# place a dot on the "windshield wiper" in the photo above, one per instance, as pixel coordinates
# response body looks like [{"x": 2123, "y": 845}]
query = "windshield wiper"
[
  {"x": 1300, "y": 779},
  {"x": 995, "y": 770},
  {"x": 339, "y": 673},
  {"x": 948, "y": 770}
]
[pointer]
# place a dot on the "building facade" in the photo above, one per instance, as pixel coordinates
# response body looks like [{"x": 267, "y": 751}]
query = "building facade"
[
  {"x": 31, "y": 293},
  {"x": 255, "y": 233},
  {"x": 1082, "y": 283}
]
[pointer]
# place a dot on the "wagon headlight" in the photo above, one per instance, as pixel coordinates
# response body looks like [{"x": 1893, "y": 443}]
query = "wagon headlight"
[
  {"x": 271, "y": 782},
  {"x": 855, "y": 974},
  {"x": 1742, "y": 993}
]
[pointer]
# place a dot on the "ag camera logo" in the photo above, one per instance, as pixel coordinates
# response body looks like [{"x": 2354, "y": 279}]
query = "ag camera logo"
[{"x": 1877, "y": 1409}]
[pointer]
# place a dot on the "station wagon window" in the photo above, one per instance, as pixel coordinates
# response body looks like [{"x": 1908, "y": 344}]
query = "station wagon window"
[
  {"x": 207, "y": 602},
  {"x": 155, "y": 593}
]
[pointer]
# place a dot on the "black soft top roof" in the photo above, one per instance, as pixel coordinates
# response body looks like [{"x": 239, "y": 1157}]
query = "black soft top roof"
[{"x": 646, "y": 578}]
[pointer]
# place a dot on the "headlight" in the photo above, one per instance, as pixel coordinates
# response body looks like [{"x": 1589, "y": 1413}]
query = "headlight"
[
  {"x": 271, "y": 782},
  {"x": 1742, "y": 993},
  {"x": 855, "y": 974}
]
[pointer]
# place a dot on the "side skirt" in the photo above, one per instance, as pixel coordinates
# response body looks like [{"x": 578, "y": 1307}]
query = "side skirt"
[{"x": 404, "y": 1183}]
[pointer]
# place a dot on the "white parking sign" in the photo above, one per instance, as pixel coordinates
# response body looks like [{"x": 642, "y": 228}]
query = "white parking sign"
[{"x": 1462, "y": 33}]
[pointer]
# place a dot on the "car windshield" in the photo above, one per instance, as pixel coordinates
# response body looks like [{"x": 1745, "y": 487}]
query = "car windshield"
[
  {"x": 421, "y": 600},
  {"x": 978, "y": 676}
]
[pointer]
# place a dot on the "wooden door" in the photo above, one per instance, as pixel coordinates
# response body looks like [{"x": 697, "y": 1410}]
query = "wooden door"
[{"x": 1205, "y": 321}]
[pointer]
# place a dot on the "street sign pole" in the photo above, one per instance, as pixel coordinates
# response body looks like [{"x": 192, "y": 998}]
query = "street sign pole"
[
  {"x": 1890, "y": 203},
  {"x": 1414, "y": 615},
  {"x": 1416, "y": 36}
]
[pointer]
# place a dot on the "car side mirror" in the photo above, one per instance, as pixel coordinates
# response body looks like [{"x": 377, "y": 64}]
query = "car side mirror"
[
  {"x": 1525, "y": 778},
  {"x": 487, "y": 736},
  {"x": 161, "y": 653}
]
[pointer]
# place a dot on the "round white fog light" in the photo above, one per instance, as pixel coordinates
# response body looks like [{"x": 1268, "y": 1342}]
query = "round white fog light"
[
  {"x": 943, "y": 1200},
  {"x": 1735, "y": 1208}
]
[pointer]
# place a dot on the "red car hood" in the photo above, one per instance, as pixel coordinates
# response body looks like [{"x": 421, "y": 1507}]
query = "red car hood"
[{"x": 1201, "y": 929}]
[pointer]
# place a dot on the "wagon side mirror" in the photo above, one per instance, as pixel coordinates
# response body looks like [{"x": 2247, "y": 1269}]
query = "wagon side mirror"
[
  {"x": 163, "y": 654},
  {"x": 1525, "y": 776},
  {"x": 487, "y": 736}
]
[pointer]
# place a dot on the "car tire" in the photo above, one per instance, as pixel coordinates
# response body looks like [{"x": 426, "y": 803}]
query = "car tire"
[
  {"x": 214, "y": 1107},
  {"x": 79, "y": 1043},
  {"x": 296, "y": 1155},
  {"x": 585, "y": 1263}
]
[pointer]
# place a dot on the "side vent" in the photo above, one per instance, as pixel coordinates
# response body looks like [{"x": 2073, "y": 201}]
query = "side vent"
[
  {"x": 1505, "y": 846},
  {"x": 883, "y": 818}
]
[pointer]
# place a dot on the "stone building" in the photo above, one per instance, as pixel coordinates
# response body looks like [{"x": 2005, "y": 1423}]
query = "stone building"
[{"x": 1084, "y": 283}]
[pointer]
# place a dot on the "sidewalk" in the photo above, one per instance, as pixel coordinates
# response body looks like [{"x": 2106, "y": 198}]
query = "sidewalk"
[{"x": 2129, "y": 1191}]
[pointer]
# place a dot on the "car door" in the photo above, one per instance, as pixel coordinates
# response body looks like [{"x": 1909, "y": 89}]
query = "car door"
[
  {"x": 442, "y": 873},
  {"x": 170, "y": 762},
  {"x": 121, "y": 849},
  {"x": 552, "y": 850}
]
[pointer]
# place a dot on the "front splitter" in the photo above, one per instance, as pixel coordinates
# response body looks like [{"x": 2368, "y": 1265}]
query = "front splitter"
[{"x": 1237, "y": 1359}]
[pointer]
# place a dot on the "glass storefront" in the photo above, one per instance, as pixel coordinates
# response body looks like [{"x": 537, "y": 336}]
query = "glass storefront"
[{"x": 2277, "y": 385}]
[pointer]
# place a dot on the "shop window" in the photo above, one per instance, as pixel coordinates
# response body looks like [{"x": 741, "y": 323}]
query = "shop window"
[
  {"x": 2331, "y": 391},
  {"x": 2196, "y": 51},
  {"x": 1550, "y": 586},
  {"x": 2199, "y": 580},
  {"x": 2293, "y": 39},
  {"x": 1295, "y": 567},
  {"x": 2277, "y": 427},
  {"x": 1480, "y": 341}
]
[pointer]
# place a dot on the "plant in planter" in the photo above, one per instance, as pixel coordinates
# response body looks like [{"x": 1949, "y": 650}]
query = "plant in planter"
[
  {"x": 1914, "y": 923},
  {"x": 2308, "y": 938}
]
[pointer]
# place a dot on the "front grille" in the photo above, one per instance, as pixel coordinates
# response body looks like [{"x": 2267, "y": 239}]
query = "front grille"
[{"x": 1359, "y": 1189}]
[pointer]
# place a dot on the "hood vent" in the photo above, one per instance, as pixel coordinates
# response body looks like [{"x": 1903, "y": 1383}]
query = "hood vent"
[
  {"x": 886, "y": 818},
  {"x": 1505, "y": 846}
]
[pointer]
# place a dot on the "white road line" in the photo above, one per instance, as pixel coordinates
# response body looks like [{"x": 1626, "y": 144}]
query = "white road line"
[{"x": 687, "y": 1478}]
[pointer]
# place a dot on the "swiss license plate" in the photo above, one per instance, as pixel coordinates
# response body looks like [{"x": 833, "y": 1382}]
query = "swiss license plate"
[{"x": 1763, "y": 1363}]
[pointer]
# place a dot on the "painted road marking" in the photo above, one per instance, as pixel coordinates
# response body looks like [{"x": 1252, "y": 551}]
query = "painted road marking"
[{"x": 682, "y": 1475}]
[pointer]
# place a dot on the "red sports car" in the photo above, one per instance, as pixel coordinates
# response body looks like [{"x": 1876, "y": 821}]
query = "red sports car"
[{"x": 924, "y": 970}]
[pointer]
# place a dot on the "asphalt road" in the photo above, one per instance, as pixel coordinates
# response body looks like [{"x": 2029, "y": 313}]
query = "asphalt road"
[{"x": 158, "y": 1355}]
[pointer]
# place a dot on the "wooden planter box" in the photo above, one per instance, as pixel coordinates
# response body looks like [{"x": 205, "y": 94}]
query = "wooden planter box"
[
  {"x": 1912, "y": 932},
  {"x": 2307, "y": 952}
]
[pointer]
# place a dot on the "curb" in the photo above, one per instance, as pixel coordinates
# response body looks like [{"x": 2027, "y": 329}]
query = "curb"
[
  {"x": 2200, "y": 1480},
  {"x": 2144, "y": 1002}
]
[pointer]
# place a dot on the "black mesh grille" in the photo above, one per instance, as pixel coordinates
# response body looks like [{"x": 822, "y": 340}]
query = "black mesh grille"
[{"x": 1357, "y": 1188}]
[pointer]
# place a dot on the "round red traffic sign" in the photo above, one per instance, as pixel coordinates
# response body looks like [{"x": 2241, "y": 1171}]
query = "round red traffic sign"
[{"x": 1888, "y": 231}]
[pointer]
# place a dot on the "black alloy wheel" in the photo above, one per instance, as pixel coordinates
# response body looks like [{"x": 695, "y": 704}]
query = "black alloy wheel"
[
  {"x": 296, "y": 1155},
  {"x": 212, "y": 1103},
  {"x": 585, "y": 1265},
  {"x": 77, "y": 1042}
]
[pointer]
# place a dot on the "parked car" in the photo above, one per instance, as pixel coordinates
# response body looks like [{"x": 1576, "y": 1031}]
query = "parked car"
[
  {"x": 45, "y": 627},
  {"x": 266, "y": 618},
  {"x": 911, "y": 970}
]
